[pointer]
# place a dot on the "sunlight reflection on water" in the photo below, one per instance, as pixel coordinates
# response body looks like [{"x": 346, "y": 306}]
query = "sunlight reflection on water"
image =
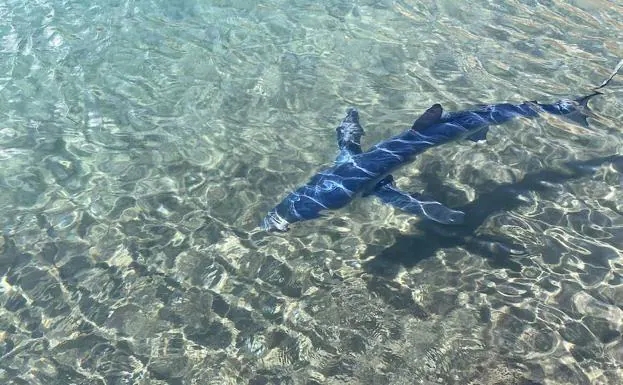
[{"x": 142, "y": 142}]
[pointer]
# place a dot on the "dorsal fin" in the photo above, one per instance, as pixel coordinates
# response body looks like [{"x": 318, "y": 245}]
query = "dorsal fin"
[{"x": 428, "y": 118}]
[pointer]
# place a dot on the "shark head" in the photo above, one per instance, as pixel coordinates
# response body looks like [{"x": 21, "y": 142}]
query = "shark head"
[{"x": 274, "y": 222}]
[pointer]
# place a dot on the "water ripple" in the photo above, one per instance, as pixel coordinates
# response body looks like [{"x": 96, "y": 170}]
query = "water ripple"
[{"x": 141, "y": 141}]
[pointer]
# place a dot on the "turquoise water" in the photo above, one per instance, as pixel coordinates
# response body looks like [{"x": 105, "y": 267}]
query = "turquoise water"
[{"x": 142, "y": 142}]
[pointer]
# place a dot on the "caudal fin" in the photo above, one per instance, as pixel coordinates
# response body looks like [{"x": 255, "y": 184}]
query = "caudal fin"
[
  {"x": 579, "y": 115},
  {"x": 612, "y": 75},
  {"x": 583, "y": 101}
]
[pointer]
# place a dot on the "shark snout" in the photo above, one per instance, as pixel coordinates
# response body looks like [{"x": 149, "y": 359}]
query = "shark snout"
[{"x": 274, "y": 222}]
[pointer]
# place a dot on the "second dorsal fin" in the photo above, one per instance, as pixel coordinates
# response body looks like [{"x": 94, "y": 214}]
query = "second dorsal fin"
[{"x": 428, "y": 118}]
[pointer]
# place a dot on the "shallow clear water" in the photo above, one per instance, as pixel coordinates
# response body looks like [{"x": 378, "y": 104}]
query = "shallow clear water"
[{"x": 142, "y": 142}]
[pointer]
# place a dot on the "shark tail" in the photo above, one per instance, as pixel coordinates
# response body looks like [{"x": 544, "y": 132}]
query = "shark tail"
[
  {"x": 583, "y": 101},
  {"x": 612, "y": 75},
  {"x": 584, "y": 111}
]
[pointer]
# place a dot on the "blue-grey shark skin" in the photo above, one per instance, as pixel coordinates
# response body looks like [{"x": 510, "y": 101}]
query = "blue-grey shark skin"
[{"x": 356, "y": 173}]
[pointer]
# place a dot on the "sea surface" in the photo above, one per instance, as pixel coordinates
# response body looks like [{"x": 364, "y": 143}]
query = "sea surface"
[{"x": 141, "y": 143}]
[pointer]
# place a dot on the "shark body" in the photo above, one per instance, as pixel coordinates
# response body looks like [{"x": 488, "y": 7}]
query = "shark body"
[{"x": 357, "y": 173}]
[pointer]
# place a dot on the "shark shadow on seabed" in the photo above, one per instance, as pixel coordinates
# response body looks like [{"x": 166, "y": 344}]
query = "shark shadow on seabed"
[{"x": 431, "y": 236}]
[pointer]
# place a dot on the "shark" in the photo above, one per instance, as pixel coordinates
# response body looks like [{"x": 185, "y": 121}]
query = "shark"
[{"x": 356, "y": 173}]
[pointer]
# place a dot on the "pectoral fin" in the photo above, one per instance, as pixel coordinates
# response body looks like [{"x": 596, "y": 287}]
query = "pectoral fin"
[
  {"x": 349, "y": 134},
  {"x": 416, "y": 204}
]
